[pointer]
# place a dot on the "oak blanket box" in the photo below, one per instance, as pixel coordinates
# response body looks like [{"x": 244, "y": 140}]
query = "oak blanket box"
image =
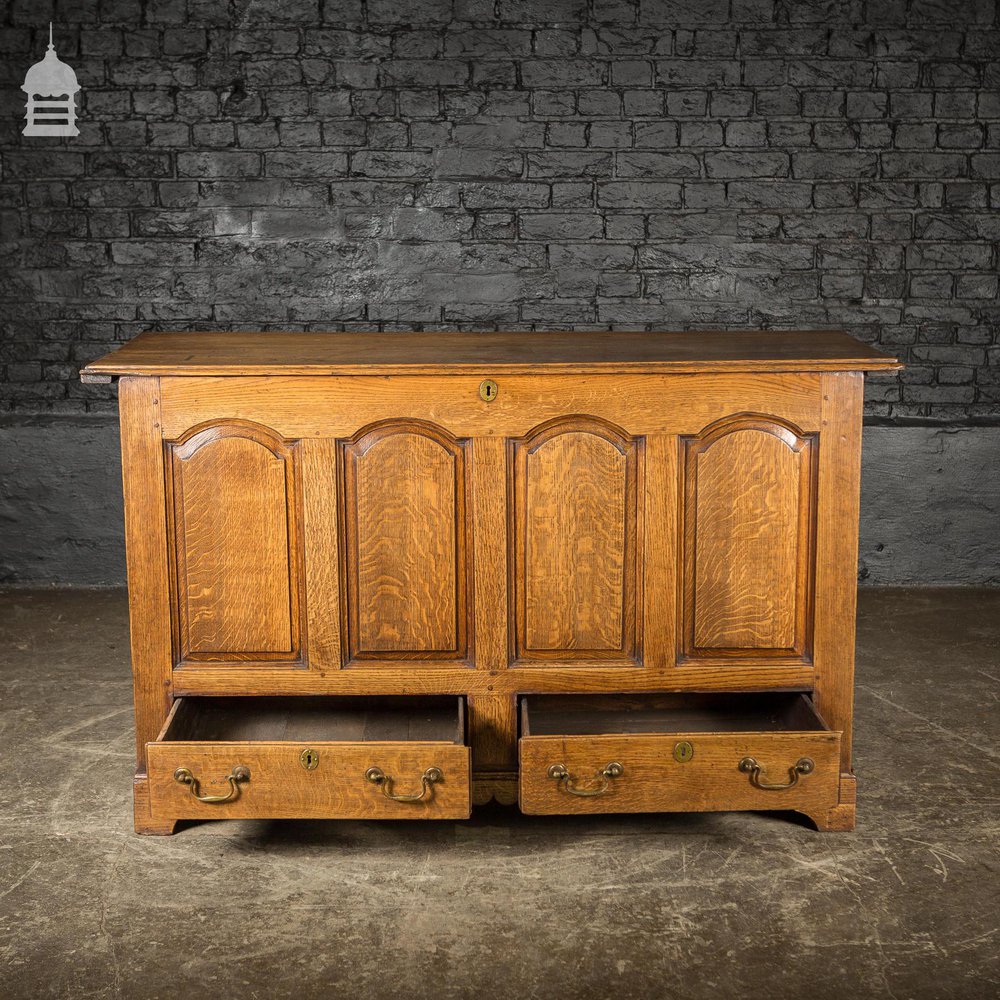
[{"x": 393, "y": 575}]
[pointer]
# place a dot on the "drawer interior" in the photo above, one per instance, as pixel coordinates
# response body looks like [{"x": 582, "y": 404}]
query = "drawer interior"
[
  {"x": 610, "y": 715},
  {"x": 439, "y": 719}
]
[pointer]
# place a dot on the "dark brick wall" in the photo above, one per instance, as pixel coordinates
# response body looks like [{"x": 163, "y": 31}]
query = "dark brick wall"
[{"x": 483, "y": 164}]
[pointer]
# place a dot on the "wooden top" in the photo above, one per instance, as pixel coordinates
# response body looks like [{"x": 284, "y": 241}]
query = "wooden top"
[{"x": 487, "y": 353}]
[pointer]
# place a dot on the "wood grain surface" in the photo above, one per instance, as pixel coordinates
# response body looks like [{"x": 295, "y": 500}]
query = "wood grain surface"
[
  {"x": 321, "y": 542},
  {"x": 392, "y": 719},
  {"x": 575, "y": 518},
  {"x": 839, "y": 494},
  {"x": 661, "y": 713},
  {"x": 489, "y": 519},
  {"x": 493, "y": 732},
  {"x": 307, "y": 407},
  {"x": 280, "y": 788},
  {"x": 402, "y": 736},
  {"x": 224, "y": 353},
  {"x": 749, "y": 523},
  {"x": 653, "y": 781},
  {"x": 643, "y": 516},
  {"x": 659, "y": 494},
  {"x": 393, "y": 677},
  {"x": 237, "y": 554},
  {"x": 146, "y": 548},
  {"x": 406, "y": 536}
]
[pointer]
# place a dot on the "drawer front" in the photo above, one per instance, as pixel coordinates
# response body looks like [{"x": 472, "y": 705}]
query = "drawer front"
[
  {"x": 679, "y": 772},
  {"x": 336, "y": 785}
]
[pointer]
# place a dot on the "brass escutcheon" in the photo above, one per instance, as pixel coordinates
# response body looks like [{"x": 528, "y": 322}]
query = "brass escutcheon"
[
  {"x": 309, "y": 759},
  {"x": 488, "y": 390},
  {"x": 683, "y": 752}
]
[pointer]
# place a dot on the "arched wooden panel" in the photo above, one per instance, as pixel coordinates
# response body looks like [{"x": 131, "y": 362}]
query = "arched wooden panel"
[
  {"x": 575, "y": 526},
  {"x": 406, "y": 548},
  {"x": 235, "y": 531},
  {"x": 749, "y": 525}
]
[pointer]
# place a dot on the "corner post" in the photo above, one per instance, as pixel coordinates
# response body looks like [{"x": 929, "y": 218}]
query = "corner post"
[
  {"x": 148, "y": 579},
  {"x": 837, "y": 569}
]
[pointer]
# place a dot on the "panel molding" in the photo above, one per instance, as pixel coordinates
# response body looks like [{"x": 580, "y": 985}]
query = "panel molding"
[
  {"x": 799, "y": 619},
  {"x": 178, "y": 453},
  {"x": 626, "y": 650},
  {"x": 350, "y": 454}
]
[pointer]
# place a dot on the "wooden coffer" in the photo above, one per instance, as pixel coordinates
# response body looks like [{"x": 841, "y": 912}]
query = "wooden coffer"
[{"x": 395, "y": 575}]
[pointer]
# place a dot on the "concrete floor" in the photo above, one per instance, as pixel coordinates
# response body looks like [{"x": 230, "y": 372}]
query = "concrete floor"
[{"x": 723, "y": 905}]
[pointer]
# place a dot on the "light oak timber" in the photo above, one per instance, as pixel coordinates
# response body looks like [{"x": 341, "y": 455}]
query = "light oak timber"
[
  {"x": 144, "y": 822},
  {"x": 659, "y": 558},
  {"x": 837, "y": 552},
  {"x": 494, "y": 787},
  {"x": 211, "y": 738},
  {"x": 234, "y": 522},
  {"x": 388, "y": 678},
  {"x": 654, "y": 782},
  {"x": 320, "y": 522},
  {"x": 490, "y": 547},
  {"x": 574, "y": 490},
  {"x": 493, "y": 729},
  {"x": 224, "y": 353},
  {"x": 749, "y": 524},
  {"x": 638, "y": 514},
  {"x": 146, "y": 557},
  {"x": 841, "y": 816},
  {"x": 149, "y": 586},
  {"x": 304, "y": 407},
  {"x": 407, "y": 540},
  {"x": 280, "y": 788},
  {"x": 642, "y": 738}
]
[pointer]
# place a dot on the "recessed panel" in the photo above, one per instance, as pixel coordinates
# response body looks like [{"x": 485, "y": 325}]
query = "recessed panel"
[
  {"x": 749, "y": 523},
  {"x": 235, "y": 545},
  {"x": 405, "y": 532},
  {"x": 575, "y": 543}
]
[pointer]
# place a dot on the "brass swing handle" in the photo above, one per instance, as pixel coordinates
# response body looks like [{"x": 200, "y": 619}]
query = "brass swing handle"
[
  {"x": 238, "y": 774},
  {"x": 804, "y": 765},
  {"x": 378, "y": 777},
  {"x": 566, "y": 780}
]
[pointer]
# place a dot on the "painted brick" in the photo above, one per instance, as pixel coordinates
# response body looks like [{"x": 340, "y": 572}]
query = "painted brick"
[{"x": 529, "y": 163}]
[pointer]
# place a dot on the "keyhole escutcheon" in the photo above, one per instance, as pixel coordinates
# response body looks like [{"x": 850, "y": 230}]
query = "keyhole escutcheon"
[
  {"x": 309, "y": 759},
  {"x": 488, "y": 390}
]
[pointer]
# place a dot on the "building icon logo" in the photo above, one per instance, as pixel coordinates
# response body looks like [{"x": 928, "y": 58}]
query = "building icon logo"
[{"x": 51, "y": 87}]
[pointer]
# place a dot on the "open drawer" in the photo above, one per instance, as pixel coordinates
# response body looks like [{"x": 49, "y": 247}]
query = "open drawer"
[
  {"x": 346, "y": 758},
  {"x": 667, "y": 752}
]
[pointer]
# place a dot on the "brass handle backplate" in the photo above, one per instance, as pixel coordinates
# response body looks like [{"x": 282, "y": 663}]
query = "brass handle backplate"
[
  {"x": 748, "y": 765},
  {"x": 238, "y": 774},
  {"x": 568, "y": 783},
  {"x": 378, "y": 777}
]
